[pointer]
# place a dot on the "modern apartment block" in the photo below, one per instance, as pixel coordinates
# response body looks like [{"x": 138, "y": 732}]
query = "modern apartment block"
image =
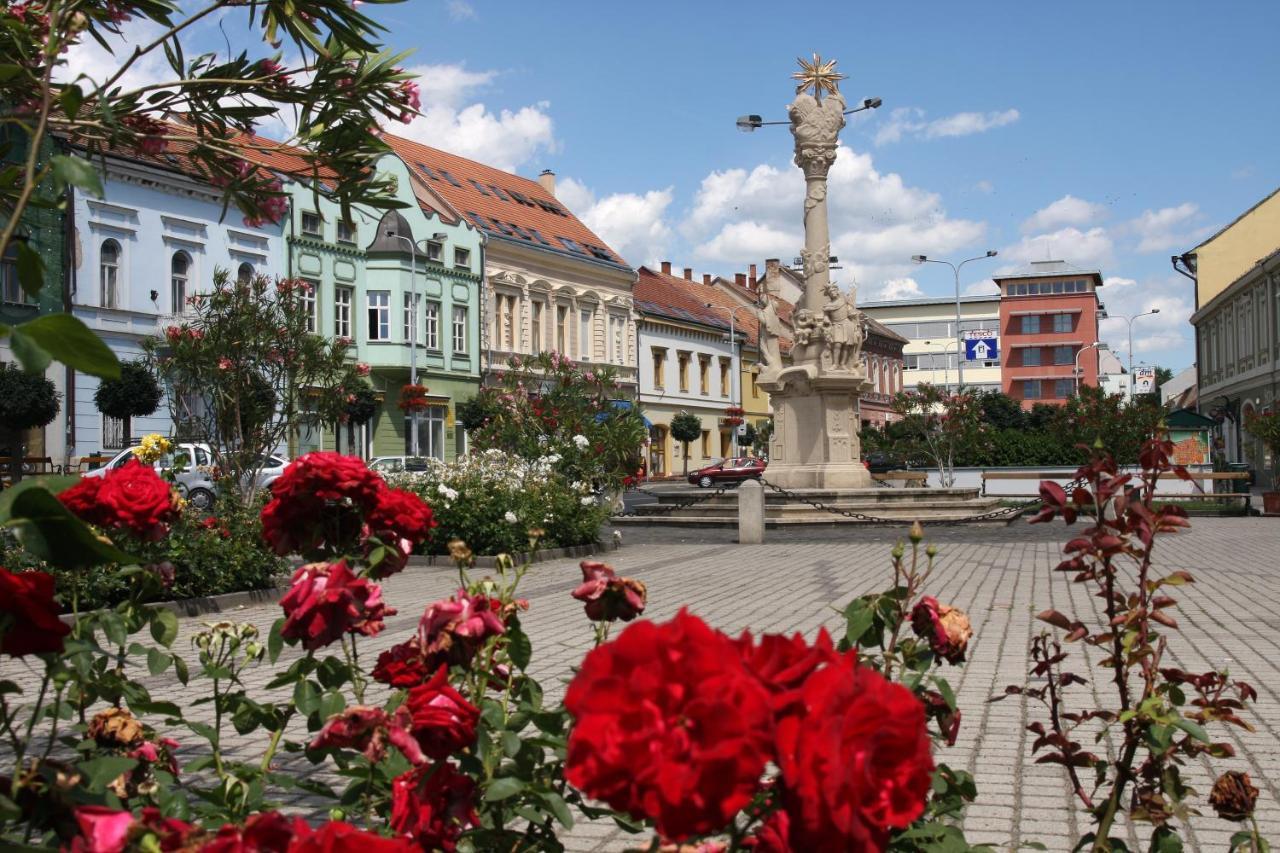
[
  {"x": 1048, "y": 331},
  {"x": 929, "y": 326}
]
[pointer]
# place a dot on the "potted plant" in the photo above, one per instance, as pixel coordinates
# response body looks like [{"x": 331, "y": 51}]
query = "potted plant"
[
  {"x": 413, "y": 397},
  {"x": 1266, "y": 428}
]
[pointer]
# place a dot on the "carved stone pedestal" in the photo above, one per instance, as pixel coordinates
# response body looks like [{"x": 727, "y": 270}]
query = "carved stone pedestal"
[{"x": 815, "y": 441}]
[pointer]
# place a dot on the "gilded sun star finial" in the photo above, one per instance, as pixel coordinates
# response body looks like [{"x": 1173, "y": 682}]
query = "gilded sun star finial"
[{"x": 819, "y": 76}]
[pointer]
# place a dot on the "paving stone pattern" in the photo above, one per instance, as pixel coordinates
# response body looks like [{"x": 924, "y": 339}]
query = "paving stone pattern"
[{"x": 1001, "y": 575}]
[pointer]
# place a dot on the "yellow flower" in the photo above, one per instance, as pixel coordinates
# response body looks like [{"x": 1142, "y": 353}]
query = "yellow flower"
[{"x": 152, "y": 448}]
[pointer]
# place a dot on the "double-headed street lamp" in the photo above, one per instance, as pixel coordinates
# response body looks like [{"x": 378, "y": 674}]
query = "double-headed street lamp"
[
  {"x": 413, "y": 326},
  {"x": 734, "y": 378},
  {"x": 955, "y": 268},
  {"x": 1098, "y": 345},
  {"x": 749, "y": 123},
  {"x": 1130, "y": 320},
  {"x": 945, "y": 367}
]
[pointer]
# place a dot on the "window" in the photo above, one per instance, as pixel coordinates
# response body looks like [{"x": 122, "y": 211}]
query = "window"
[
  {"x": 431, "y": 319},
  {"x": 347, "y": 233},
  {"x": 706, "y": 444},
  {"x": 462, "y": 258},
  {"x": 1031, "y": 357},
  {"x": 1062, "y": 322},
  {"x": 535, "y": 323},
  {"x": 538, "y": 236},
  {"x": 1031, "y": 324},
  {"x": 450, "y": 178},
  {"x": 311, "y": 224},
  {"x": 499, "y": 193},
  {"x": 412, "y": 302},
  {"x": 179, "y": 268},
  {"x": 379, "y": 306},
  {"x": 1064, "y": 354},
  {"x": 10, "y": 288},
  {"x": 1062, "y": 388},
  {"x": 562, "y": 328},
  {"x": 434, "y": 251},
  {"x": 459, "y": 329},
  {"x": 109, "y": 273},
  {"x": 342, "y": 312},
  {"x": 617, "y": 339},
  {"x": 115, "y": 433},
  {"x": 426, "y": 170},
  {"x": 479, "y": 186},
  {"x": 1058, "y": 286},
  {"x": 755, "y": 388},
  {"x": 584, "y": 335},
  {"x": 1031, "y": 389},
  {"x": 308, "y": 297},
  {"x": 683, "y": 362},
  {"x": 430, "y": 426},
  {"x": 726, "y": 366},
  {"x": 704, "y": 372},
  {"x": 244, "y": 273},
  {"x": 659, "y": 368},
  {"x": 572, "y": 245}
]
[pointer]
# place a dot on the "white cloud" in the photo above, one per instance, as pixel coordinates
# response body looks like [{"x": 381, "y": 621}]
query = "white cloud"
[
  {"x": 505, "y": 139},
  {"x": 460, "y": 10},
  {"x": 896, "y": 288},
  {"x": 986, "y": 287},
  {"x": 89, "y": 58},
  {"x": 1067, "y": 210},
  {"x": 1158, "y": 333},
  {"x": 985, "y": 187},
  {"x": 910, "y": 121},
  {"x": 877, "y": 222},
  {"x": 1168, "y": 228},
  {"x": 1090, "y": 249},
  {"x": 633, "y": 224}
]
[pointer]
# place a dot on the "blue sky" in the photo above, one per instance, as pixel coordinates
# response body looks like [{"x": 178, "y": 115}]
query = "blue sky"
[{"x": 1109, "y": 135}]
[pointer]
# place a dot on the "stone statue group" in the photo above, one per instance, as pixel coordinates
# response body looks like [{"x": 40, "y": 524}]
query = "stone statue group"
[{"x": 833, "y": 338}]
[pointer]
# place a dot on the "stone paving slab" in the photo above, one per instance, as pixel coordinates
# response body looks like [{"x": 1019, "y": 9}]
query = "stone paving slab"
[{"x": 1001, "y": 576}]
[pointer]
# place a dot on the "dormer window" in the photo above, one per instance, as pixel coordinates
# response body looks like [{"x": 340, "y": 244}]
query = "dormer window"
[{"x": 434, "y": 251}]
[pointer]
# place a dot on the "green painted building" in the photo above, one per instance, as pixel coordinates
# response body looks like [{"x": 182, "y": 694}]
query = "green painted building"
[{"x": 366, "y": 274}]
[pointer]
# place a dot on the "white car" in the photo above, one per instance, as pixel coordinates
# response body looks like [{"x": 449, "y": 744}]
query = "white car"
[
  {"x": 385, "y": 465},
  {"x": 195, "y": 482}
]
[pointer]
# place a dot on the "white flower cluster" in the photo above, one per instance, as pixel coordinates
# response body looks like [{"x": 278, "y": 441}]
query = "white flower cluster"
[{"x": 487, "y": 468}]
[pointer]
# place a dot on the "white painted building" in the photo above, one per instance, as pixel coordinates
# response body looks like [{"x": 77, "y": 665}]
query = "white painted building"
[{"x": 929, "y": 325}]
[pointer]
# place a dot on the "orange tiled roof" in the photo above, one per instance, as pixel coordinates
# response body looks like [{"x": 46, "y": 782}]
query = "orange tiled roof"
[
  {"x": 504, "y": 206},
  {"x": 682, "y": 299}
]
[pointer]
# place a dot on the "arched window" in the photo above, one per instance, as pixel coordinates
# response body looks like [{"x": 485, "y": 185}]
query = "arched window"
[
  {"x": 109, "y": 273},
  {"x": 178, "y": 270},
  {"x": 244, "y": 274}
]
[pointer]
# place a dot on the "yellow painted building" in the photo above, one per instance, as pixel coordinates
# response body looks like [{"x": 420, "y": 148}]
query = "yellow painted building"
[{"x": 1228, "y": 255}]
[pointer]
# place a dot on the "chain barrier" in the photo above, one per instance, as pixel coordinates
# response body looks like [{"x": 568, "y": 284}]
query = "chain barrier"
[{"x": 664, "y": 509}]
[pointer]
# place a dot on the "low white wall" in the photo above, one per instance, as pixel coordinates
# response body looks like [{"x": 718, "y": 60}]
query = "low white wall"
[{"x": 972, "y": 478}]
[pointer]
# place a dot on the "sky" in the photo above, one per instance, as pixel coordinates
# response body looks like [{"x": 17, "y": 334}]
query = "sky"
[{"x": 1109, "y": 135}]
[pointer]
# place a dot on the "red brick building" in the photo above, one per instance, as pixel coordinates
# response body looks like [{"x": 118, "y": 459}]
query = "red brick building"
[{"x": 1048, "y": 315}]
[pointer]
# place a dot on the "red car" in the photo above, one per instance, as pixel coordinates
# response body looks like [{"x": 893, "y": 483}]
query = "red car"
[{"x": 733, "y": 470}]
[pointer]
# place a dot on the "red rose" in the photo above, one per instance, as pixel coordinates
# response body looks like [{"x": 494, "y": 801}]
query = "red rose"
[
  {"x": 401, "y": 665},
  {"x": 31, "y": 614},
  {"x": 402, "y": 521},
  {"x": 856, "y": 762},
  {"x": 209, "y": 522},
  {"x": 946, "y": 629},
  {"x": 369, "y": 730},
  {"x": 326, "y": 600},
  {"x": 338, "y": 837},
  {"x": 131, "y": 497},
  {"x": 265, "y": 832},
  {"x": 782, "y": 664},
  {"x": 318, "y": 502},
  {"x": 670, "y": 726},
  {"x": 455, "y": 629},
  {"x": 607, "y": 596},
  {"x": 433, "y": 805},
  {"x": 102, "y": 829},
  {"x": 772, "y": 835},
  {"x": 443, "y": 720}
]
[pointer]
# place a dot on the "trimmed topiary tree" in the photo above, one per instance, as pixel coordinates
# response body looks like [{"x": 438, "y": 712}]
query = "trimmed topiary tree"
[
  {"x": 27, "y": 401},
  {"x": 362, "y": 406},
  {"x": 135, "y": 394},
  {"x": 684, "y": 429}
]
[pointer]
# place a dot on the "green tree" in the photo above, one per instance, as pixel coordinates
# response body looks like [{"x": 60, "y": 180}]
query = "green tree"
[
  {"x": 1093, "y": 416},
  {"x": 135, "y": 394},
  {"x": 1001, "y": 411},
  {"x": 941, "y": 426},
  {"x": 27, "y": 401},
  {"x": 684, "y": 429},
  {"x": 247, "y": 376}
]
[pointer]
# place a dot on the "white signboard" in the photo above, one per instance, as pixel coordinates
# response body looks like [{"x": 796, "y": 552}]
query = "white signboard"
[{"x": 1144, "y": 380}]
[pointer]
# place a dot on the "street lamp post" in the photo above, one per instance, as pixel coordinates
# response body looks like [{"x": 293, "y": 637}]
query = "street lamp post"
[
  {"x": 413, "y": 334},
  {"x": 1129, "y": 321},
  {"x": 945, "y": 368},
  {"x": 955, "y": 268},
  {"x": 1076, "y": 373},
  {"x": 734, "y": 377}
]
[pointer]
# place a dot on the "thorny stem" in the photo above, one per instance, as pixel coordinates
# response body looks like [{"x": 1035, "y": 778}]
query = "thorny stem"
[
  {"x": 1055, "y": 704},
  {"x": 911, "y": 579}
]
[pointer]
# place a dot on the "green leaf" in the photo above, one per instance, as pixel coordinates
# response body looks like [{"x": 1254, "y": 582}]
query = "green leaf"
[
  {"x": 331, "y": 702},
  {"x": 519, "y": 648},
  {"x": 1165, "y": 840},
  {"x": 30, "y": 268},
  {"x": 180, "y": 670},
  {"x": 858, "y": 618},
  {"x": 306, "y": 696},
  {"x": 275, "y": 640},
  {"x": 511, "y": 743},
  {"x": 54, "y": 483},
  {"x": 503, "y": 788},
  {"x": 33, "y": 357},
  {"x": 158, "y": 661},
  {"x": 77, "y": 172},
  {"x": 101, "y": 771},
  {"x": 48, "y": 529},
  {"x": 167, "y": 709},
  {"x": 9, "y": 809},
  {"x": 71, "y": 342},
  {"x": 558, "y": 807},
  {"x": 1192, "y": 728},
  {"x": 164, "y": 626}
]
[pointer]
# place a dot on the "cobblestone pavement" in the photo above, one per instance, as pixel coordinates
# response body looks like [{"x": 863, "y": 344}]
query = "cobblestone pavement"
[{"x": 1001, "y": 575}]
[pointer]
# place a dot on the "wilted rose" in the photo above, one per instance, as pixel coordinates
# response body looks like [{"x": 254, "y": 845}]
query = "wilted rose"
[
  {"x": 1233, "y": 796},
  {"x": 946, "y": 629}
]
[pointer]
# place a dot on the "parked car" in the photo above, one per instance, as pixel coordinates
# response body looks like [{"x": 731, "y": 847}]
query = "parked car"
[
  {"x": 385, "y": 465},
  {"x": 733, "y": 470},
  {"x": 195, "y": 479},
  {"x": 880, "y": 461}
]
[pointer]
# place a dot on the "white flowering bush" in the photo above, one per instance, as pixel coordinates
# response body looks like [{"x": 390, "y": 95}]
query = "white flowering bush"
[{"x": 491, "y": 500}]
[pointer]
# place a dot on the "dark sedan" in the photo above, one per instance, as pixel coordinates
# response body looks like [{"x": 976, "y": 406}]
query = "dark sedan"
[
  {"x": 733, "y": 470},
  {"x": 880, "y": 462}
]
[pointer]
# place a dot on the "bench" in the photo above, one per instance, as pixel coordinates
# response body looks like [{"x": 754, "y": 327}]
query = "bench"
[
  {"x": 89, "y": 463},
  {"x": 32, "y": 466},
  {"x": 1201, "y": 477},
  {"x": 919, "y": 478}
]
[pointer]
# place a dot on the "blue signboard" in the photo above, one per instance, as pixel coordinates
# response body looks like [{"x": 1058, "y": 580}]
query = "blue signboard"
[{"x": 981, "y": 349}]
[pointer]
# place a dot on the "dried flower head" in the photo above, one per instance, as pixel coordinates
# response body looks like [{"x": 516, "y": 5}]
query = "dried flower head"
[{"x": 1233, "y": 796}]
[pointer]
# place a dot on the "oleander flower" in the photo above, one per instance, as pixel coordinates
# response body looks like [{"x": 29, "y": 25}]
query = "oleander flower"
[
  {"x": 443, "y": 721},
  {"x": 669, "y": 725},
  {"x": 946, "y": 629},
  {"x": 608, "y": 597},
  {"x": 433, "y": 805},
  {"x": 29, "y": 623},
  {"x": 326, "y": 600}
]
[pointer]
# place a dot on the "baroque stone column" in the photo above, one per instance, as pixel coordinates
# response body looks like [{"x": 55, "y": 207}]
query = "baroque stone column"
[{"x": 815, "y": 442}]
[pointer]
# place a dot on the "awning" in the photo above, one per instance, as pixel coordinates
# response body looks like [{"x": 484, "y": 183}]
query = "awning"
[{"x": 623, "y": 406}]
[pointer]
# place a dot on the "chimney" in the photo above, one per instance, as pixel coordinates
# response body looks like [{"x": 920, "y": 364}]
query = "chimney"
[
  {"x": 666, "y": 267},
  {"x": 548, "y": 181},
  {"x": 688, "y": 273},
  {"x": 706, "y": 279},
  {"x": 771, "y": 267},
  {"x": 752, "y": 279},
  {"x": 740, "y": 279}
]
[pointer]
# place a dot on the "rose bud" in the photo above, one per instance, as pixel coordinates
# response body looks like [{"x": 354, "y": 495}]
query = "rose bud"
[{"x": 1233, "y": 796}]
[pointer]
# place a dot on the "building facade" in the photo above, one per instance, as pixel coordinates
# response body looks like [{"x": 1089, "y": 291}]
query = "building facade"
[
  {"x": 550, "y": 284},
  {"x": 928, "y": 328},
  {"x": 368, "y": 273},
  {"x": 1048, "y": 322}
]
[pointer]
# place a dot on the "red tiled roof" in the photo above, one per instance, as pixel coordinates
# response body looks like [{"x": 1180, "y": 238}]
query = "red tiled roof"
[
  {"x": 505, "y": 206},
  {"x": 682, "y": 299}
]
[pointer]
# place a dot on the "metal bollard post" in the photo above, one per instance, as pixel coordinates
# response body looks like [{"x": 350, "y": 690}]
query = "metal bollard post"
[{"x": 750, "y": 513}]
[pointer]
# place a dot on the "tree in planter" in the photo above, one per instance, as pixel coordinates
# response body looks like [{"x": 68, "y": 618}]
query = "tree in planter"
[
  {"x": 247, "y": 376},
  {"x": 940, "y": 425},
  {"x": 362, "y": 406},
  {"x": 684, "y": 429},
  {"x": 27, "y": 401},
  {"x": 135, "y": 394},
  {"x": 1266, "y": 428},
  {"x": 748, "y": 438}
]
